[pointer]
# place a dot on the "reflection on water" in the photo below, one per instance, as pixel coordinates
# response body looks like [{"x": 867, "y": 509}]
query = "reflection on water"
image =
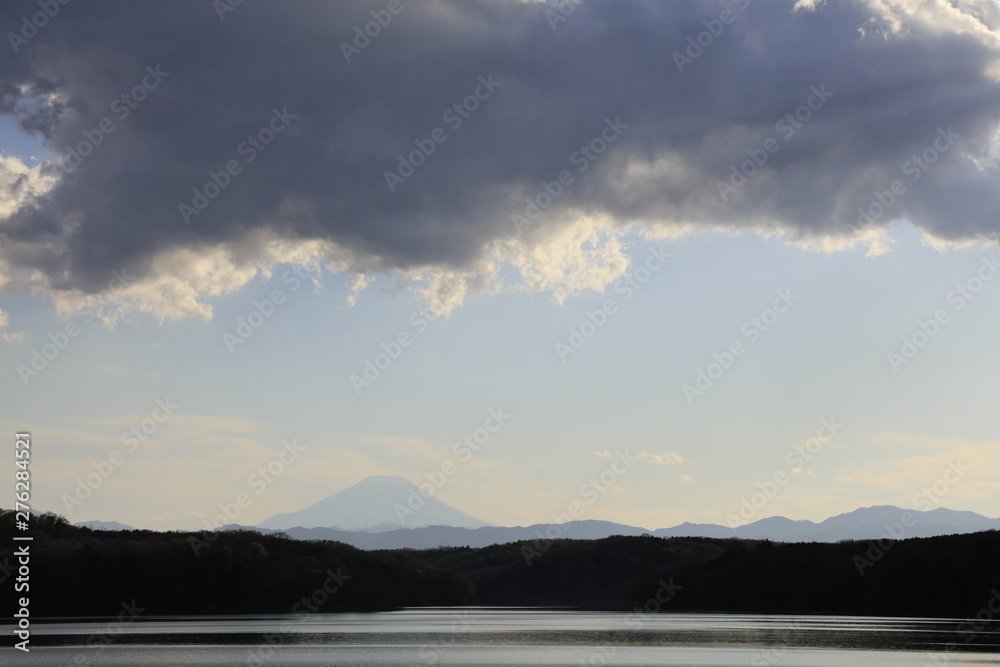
[{"x": 491, "y": 636}]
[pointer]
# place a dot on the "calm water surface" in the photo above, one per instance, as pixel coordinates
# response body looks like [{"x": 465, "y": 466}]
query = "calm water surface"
[{"x": 490, "y": 636}]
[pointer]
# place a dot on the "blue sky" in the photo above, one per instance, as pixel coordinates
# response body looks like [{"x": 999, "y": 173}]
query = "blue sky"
[
  {"x": 330, "y": 268},
  {"x": 623, "y": 390}
]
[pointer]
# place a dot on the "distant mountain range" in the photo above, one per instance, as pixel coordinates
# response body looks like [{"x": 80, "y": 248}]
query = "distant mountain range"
[
  {"x": 93, "y": 525},
  {"x": 429, "y": 537},
  {"x": 104, "y": 525},
  {"x": 861, "y": 524},
  {"x": 388, "y": 512}
]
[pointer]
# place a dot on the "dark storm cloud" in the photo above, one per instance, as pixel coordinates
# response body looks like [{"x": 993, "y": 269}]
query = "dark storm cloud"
[{"x": 323, "y": 175}]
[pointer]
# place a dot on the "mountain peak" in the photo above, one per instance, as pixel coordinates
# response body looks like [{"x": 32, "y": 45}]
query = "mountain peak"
[
  {"x": 384, "y": 481},
  {"x": 376, "y": 502}
]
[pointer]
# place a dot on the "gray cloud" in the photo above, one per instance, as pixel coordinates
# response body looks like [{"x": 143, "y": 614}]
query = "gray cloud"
[{"x": 895, "y": 78}]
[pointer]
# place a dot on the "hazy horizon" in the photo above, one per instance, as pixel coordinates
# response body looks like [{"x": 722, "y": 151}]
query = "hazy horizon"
[{"x": 256, "y": 251}]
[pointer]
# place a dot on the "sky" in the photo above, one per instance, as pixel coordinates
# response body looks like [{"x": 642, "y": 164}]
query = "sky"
[{"x": 705, "y": 261}]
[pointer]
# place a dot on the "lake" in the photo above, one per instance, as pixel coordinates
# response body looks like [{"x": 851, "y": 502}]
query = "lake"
[{"x": 506, "y": 636}]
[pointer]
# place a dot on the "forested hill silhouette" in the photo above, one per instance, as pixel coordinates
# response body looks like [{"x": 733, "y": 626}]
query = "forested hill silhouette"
[
  {"x": 947, "y": 576},
  {"x": 86, "y": 572}
]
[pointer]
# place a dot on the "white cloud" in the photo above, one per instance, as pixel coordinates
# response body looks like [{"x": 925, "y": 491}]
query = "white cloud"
[
  {"x": 669, "y": 458},
  {"x": 586, "y": 254},
  {"x": 917, "y": 462},
  {"x": 20, "y": 184},
  {"x": 9, "y": 336}
]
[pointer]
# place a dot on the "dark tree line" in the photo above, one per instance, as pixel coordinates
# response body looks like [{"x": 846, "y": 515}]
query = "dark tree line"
[
  {"x": 80, "y": 572},
  {"x": 949, "y": 576}
]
